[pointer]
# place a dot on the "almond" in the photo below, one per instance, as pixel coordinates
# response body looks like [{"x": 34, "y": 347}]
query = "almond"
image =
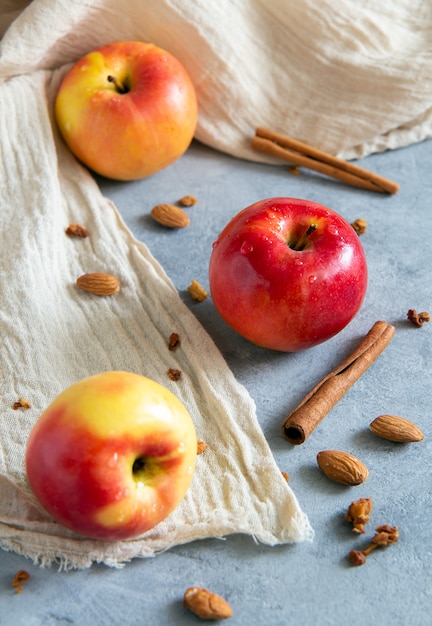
[
  {"x": 99, "y": 283},
  {"x": 21, "y": 403},
  {"x": 201, "y": 446},
  {"x": 170, "y": 216},
  {"x": 359, "y": 226},
  {"x": 206, "y": 604},
  {"x": 396, "y": 428},
  {"x": 197, "y": 291},
  {"x": 342, "y": 467},
  {"x": 188, "y": 201}
]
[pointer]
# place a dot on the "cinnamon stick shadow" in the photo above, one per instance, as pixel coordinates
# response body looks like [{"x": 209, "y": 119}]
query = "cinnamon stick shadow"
[{"x": 299, "y": 424}]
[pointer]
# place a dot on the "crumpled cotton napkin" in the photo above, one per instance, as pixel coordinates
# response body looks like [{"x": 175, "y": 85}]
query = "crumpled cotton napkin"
[
  {"x": 335, "y": 74},
  {"x": 350, "y": 78},
  {"x": 54, "y": 334}
]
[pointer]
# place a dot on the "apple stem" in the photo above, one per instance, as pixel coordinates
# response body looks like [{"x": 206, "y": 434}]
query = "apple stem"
[
  {"x": 120, "y": 87},
  {"x": 301, "y": 243}
]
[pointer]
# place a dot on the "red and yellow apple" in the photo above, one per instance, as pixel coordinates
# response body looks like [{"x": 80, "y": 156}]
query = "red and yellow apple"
[
  {"x": 127, "y": 110},
  {"x": 112, "y": 456},
  {"x": 288, "y": 274}
]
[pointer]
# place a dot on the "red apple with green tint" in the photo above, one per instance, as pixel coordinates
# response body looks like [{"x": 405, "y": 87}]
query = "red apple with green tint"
[
  {"x": 288, "y": 274},
  {"x": 112, "y": 456},
  {"x": 127, "y": 110}
]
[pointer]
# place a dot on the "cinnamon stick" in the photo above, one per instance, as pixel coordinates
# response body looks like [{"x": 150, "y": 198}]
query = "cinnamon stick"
[
  {"x": 299, "y": 424},
  {"x": 304, "y": 155}
]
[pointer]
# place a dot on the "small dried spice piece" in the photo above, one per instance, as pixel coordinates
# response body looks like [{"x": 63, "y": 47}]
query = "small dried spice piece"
[
  {"x": 21, "y": 403},
  {"x": 201, "y": 446},
  {"x": 418, "y": 318},
  {"x": 99, "y": 283},
  {"x": 173, "y": 341},
  {"x": 385, "y": 535},
  {"x": 294, "y": 170},
  {"x": 170, "y": 216},
  {"x": 197, "y": 292},
  {"x": 76, "y": 230},
  {"x": 342, "y": 468},
  {"x": 396, "y": 428},
  {"x": 188, "y": 201},
  {"x": 359, "y": 514},
  {"x": 205, "y": 604},
  {"x": 359, "y": 226},
  {"x": 19, "y": 579},
  {"x": 174, "y": 374},
  {"x": 285, "y": 475}
]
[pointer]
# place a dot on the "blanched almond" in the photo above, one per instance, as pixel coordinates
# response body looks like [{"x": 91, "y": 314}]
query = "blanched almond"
[
  {"x": 170, "y": 216},
  {"x": 342, "y": 467},
  {"x": 396, "y": 428}
]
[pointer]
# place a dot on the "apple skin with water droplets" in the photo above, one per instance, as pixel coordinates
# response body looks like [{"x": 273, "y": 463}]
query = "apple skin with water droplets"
[{"x": 288, "y": 274}]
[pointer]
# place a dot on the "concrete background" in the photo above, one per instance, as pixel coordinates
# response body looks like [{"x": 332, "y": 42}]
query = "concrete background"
[{"x": 310, "y": 583}]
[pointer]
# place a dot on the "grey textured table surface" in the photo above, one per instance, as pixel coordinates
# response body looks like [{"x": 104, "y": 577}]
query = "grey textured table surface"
[{"x": 309, "y": 583}]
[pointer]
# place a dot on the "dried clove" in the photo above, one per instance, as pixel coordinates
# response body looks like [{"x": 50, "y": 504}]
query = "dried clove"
[{"x": 385, "y": 535}]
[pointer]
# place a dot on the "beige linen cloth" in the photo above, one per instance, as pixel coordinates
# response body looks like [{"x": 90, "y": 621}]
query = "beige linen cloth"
[{"x": 349, "y": 77}]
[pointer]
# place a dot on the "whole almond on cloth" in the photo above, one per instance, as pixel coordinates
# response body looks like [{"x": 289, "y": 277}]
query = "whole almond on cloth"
[
  {"x": 170, "y": 216},
  {"x": 396, "y": 428},
  {"x": 342, "y": 467},
  {"x": 206, "y": 604},
  {"x": 99, "y": 283}
]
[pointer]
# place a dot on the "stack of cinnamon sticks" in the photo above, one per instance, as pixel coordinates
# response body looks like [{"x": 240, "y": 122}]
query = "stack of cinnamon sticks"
[{"x": 303, "y": 155}]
